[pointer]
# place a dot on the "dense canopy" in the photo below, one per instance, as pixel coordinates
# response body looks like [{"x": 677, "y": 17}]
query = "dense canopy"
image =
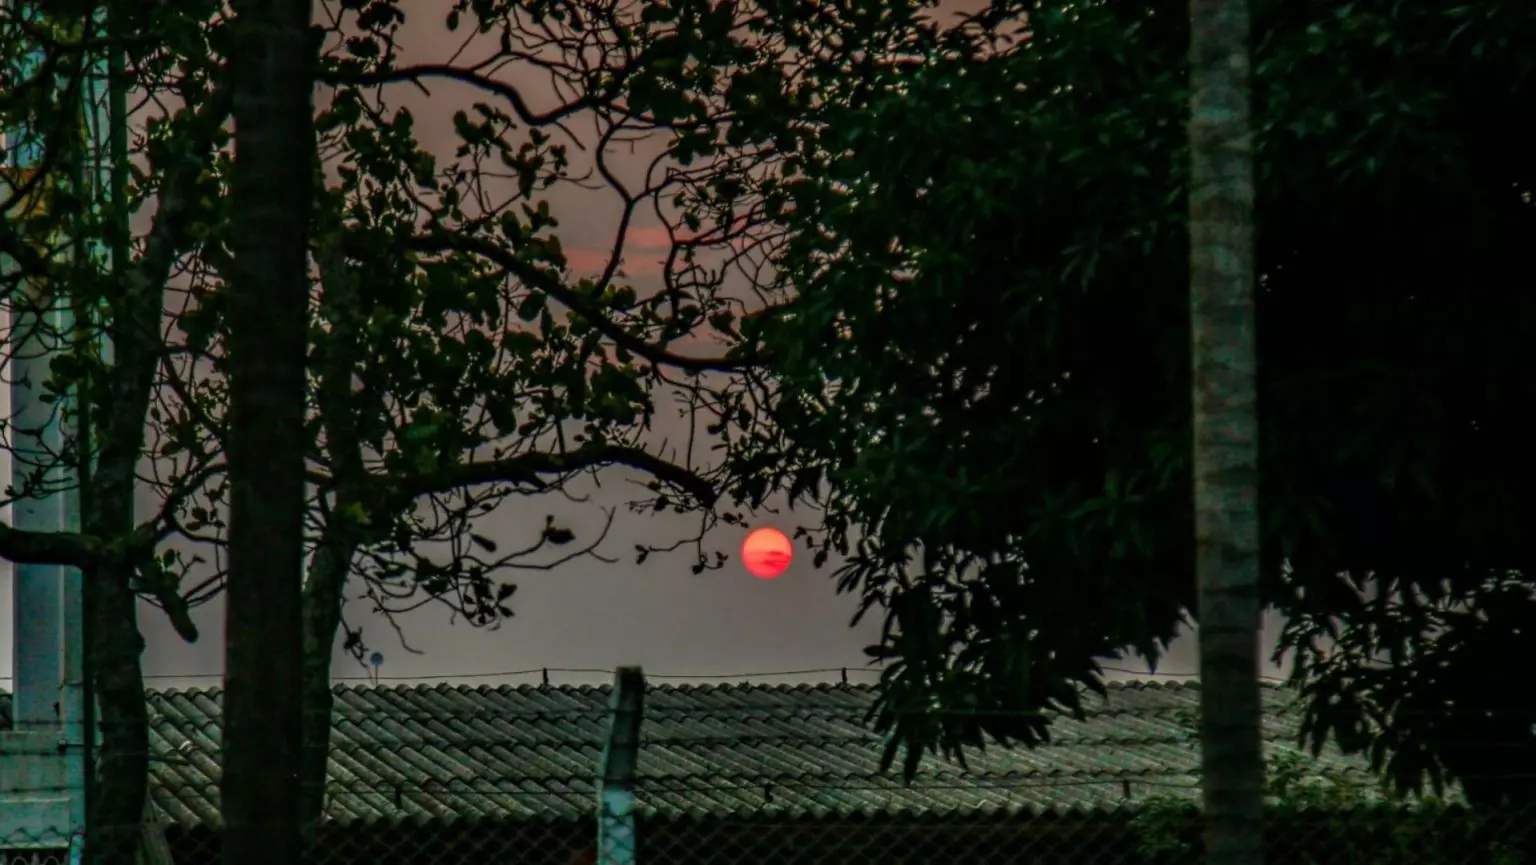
[{"x": 984, "y": 354}]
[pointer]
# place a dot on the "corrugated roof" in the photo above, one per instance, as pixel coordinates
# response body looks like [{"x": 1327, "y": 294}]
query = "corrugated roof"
[{"x": 531, "y": 752}]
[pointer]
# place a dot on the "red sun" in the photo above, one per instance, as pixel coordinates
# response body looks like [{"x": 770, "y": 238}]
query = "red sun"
[{"x": 766, "y": 553}]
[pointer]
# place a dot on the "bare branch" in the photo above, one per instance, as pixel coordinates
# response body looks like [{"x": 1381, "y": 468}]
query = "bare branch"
[
  {"x": 529, "y": 468},
  {"x": 550, "y": 283},
  {"x": 47, "y": 548}
]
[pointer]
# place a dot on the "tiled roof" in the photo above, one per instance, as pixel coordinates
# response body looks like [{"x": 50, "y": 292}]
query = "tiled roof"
[{"x": 530, "y": 753}]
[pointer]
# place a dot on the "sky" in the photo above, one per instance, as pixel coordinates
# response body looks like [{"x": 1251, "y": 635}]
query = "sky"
[{"x": 578, "y": 622}]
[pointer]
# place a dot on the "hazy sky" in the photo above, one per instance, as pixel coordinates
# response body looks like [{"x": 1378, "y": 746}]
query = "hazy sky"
[{"x": 585, "y": 615}]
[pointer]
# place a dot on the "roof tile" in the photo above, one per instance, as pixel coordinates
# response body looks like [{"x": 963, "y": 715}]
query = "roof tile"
[{"x": 531, "y": 752}]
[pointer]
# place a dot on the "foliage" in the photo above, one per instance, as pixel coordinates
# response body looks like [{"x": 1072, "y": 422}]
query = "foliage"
[
  {"x": 1440, "y": 710},
  {"x": 980, "y": 369},
  {"x": 1314, "y": 820},
  {"x": 456, "y": 358},
  {"x": 98, "y": 294},
  {"x": 476, "y": 380}
]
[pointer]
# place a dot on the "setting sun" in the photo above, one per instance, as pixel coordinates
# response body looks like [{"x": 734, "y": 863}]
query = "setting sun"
[{"x": 766, "y": 553}]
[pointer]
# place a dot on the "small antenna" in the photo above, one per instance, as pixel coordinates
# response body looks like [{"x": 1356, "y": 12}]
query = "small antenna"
[{"x": 376, "y": 660}]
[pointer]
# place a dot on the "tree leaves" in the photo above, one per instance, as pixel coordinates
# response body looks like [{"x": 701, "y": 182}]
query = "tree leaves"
[
  {"x": 984, "y": 349},
  {"x": 557, "y": 535}
]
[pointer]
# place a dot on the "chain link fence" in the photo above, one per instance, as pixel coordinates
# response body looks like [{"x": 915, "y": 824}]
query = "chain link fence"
[
  {"x": 1125, "y": 836},
  {"x": 1156, "y": 832},
  {"x": 769, "y": 775}
]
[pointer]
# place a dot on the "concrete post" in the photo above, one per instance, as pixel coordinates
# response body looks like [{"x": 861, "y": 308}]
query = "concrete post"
[{"x": 616, "y": 836}]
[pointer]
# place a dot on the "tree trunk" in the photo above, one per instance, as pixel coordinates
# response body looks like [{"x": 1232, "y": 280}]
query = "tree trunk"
[
  {"x": 335, "y": 360},
  {"x": 271, "y": 189},
  {"x": 1225, "y": 429},
  {"x": 118, "y": 405},
  {"x": 116, "y": 644},
  {"x": 321, "y": 619},
  {"x": 122, "y": 770}
]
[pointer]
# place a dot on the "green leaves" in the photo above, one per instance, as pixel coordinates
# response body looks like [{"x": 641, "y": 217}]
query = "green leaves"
[
  {"x": 982, "y": 341},
  {"x": 557, "y": 535},
  {"x": 532, "y": 307}
]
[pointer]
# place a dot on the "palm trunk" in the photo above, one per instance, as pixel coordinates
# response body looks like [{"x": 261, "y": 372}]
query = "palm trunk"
[
  {"x": 273, "y": 73},
  {"x": 1225, "y": 429}
]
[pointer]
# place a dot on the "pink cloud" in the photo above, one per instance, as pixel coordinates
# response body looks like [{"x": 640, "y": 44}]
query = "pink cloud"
[
  {"x": 638, "y": 267},
  {"x": 587, "y": 262},
  {"x": 646, "y": 249},
  {"x": 591, "y": 262},
  {"x": 648, "y": 238}
]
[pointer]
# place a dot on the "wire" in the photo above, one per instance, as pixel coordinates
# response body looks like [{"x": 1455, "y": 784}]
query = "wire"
[
  {"x": 579, "y": 786},
  {"x": 599, "y": 671},
  {"x": 535, "y": 671}
]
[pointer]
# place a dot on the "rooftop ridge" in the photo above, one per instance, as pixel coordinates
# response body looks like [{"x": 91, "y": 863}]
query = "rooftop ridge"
[
  {"x": 1185, "y": 685},
  {"x": 444, "y": 750}
]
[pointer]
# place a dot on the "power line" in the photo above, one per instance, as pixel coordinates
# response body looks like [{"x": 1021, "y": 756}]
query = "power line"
[
  {"x": 544, "y": 671},
  {"x": 599, "y": 671}
]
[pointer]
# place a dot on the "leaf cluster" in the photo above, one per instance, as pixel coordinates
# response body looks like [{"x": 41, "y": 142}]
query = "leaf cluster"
[{"x": 980, "y": 351}]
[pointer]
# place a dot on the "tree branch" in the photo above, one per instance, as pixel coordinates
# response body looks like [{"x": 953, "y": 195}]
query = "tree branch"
[
  {"x": 415, "y": 74},
  {"x": 136, "y": 338},
  {"x": 528, "y": 468},
  {"x": 47, "y": 548},
  {"x": 547, "y": 282}
]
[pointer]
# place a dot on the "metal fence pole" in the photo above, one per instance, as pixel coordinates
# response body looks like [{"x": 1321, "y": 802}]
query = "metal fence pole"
[{"x": 616, "y": 838}]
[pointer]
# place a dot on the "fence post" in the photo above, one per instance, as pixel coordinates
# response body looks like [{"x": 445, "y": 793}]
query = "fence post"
[{"x": 616, "y": 839}]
